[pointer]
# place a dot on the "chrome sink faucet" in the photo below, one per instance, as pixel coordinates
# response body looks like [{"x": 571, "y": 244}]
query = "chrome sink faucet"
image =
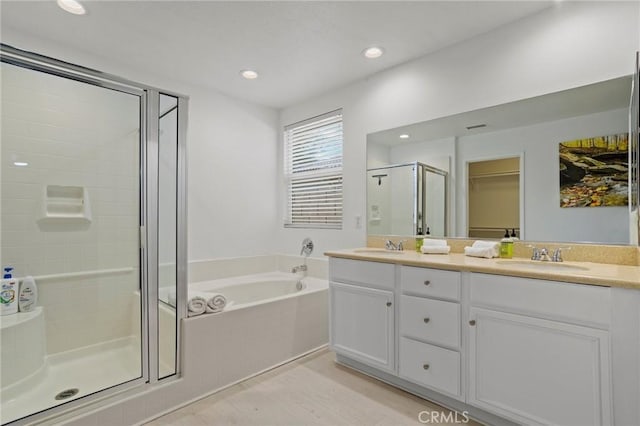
[
  {"x": 557, "y": 254},
  {"x": 543, "y": 254},
  {"x": 540, "y": 254},
  {"x": 389, "y": 245}
]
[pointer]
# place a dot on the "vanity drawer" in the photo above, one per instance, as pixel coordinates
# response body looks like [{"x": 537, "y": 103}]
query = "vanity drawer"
[
  {"x": 430, "y": 366},
  {"x": 430, "y": 282},
  {"x": 435, "y": 321},
  {"x": 370, "y": 274}
]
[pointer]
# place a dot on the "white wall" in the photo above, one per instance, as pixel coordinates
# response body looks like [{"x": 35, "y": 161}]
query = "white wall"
[
  {"x": 544, "y": 220},
  {"x": 231, "y": 157},
  {"x": 563, "y": 47}
]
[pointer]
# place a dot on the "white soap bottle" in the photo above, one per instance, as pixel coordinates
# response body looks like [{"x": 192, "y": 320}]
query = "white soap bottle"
[
  {"x": 28, "y": 296},
  {"x": 8, "y": 293}
]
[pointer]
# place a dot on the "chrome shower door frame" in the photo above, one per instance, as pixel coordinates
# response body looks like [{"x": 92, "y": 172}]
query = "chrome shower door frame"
[{"x": 148, "y": 169}]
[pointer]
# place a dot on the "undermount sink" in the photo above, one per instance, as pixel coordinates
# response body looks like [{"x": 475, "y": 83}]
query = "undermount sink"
[
  {"x": 377, "y": 251},
  {"x": 539, "y": 265}
]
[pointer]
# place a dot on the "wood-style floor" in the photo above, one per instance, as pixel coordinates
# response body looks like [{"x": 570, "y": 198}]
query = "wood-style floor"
[{"x": 313, "y": 390}]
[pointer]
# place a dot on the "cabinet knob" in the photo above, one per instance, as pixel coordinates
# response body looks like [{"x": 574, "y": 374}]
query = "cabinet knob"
[
  {"x": 426, "y": 320},
  {"x": 425, "y": 366},
  {"x": 388, "y": 303},
  {"x": 472, "y": 322},
  {"x": 427, "y": 282}
]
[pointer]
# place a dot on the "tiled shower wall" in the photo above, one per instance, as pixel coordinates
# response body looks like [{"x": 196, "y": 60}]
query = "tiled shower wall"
[{"x": 71, "y": 134}]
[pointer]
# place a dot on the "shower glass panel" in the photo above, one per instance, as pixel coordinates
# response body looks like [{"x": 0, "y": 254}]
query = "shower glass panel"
[
  {"x": 435, "y": 204},
  {"x": 70, "y": 217},
  {"x": 167, "y": 236}
]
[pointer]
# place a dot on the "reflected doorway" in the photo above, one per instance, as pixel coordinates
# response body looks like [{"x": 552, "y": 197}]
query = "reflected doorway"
[{"x": 494, "y": 198}]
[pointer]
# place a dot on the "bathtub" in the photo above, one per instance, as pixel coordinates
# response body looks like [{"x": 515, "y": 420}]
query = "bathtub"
[
  {"x": 271, "y": 318},
  {"x": 250, "y": 290}
]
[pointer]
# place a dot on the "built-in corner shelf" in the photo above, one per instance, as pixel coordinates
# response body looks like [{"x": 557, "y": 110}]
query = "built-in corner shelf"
[{"x": 66, "y": 204}]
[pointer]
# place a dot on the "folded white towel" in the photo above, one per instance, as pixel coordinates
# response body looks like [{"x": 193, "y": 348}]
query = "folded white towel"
[
  {"x": 487, "y": 252},
  {"x": 197, "y": 306},
  {"x": 484, "y": 244},
  {"x": 433, "y": 242},
  {"x": 435, "y": 249},
  {"x": 216, "y": 304}
]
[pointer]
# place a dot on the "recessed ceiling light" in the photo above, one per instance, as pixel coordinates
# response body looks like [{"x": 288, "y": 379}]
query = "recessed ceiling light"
[
  {"x": 249, "y": 74},
  {"x": 373, "y": 52},
  {"x": 404, "y": 136},
  {"x": 20, "y": 164},
  {"x": 72, "y": 6}
]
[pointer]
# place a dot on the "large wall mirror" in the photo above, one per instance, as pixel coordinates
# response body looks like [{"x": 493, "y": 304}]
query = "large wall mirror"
[{"x": 566, "y": 178}]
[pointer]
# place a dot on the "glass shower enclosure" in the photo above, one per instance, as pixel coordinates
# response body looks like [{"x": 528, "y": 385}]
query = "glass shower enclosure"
[{"x": 91, "y": 203}]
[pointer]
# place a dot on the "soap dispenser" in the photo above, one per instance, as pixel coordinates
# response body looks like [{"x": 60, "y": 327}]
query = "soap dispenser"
[
  {"x": 419, "y": 241},
  {"x": 506, "y": 246},
  {"x": 8, "y": 293}
]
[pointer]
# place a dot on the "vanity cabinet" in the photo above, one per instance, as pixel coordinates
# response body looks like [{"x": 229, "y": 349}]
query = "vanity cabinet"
[
  {"x": 429, "y": 343},
  {"x": 362, "y": 320},
  {"x": 508, "y": 350},
  {"x": 534, "y": 361}
]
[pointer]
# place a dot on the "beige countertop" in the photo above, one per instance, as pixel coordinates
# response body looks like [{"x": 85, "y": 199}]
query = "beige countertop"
[{"x": 575, "y": 272}]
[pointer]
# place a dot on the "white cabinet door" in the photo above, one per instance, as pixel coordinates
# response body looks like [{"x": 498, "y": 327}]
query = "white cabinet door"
[
  {"x": 362, "y": 325},
  {"x": 535, "y": 371}
]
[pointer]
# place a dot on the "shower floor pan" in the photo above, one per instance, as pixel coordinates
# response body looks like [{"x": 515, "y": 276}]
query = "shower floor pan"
[{"x": 88, "y": 370}]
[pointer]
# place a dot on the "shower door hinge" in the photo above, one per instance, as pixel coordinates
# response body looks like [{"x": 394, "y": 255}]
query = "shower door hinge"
[{"x": 143, "y": 236}]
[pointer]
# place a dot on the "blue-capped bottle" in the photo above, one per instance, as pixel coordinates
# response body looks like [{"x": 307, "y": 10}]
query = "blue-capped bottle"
[{"x": 8, "y": 293}]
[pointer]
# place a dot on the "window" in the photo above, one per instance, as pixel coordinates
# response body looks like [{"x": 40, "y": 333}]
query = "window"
[{"x": 313, "y": 172}]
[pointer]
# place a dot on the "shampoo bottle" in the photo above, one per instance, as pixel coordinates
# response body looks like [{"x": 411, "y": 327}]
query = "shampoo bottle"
[
  {"x": 8, "y": 293},
  {"x": 28, "y": 296}
]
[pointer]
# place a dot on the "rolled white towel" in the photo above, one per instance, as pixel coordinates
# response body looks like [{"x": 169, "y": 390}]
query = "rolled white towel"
[
  {"x": 431, "y": 242},
  {"x": 216, "y": 304},
  {"x": 484, "y": 244},
  {"x": 435, "y": 249},
  {"x": 486, "y": 252},
  {"x": 172, "y": 297},
  {"x": 196, "y": 306}
]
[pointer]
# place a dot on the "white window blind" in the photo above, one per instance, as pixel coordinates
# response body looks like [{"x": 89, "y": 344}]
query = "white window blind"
[{"x": 313, "y": 172}]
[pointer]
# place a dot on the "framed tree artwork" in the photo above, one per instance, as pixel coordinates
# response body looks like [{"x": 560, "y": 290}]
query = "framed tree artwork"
[{"x": 594, "y": 172}]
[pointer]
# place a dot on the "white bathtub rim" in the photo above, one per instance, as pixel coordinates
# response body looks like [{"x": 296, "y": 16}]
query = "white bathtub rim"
[
  {"x": 243, "y": 279},
  {"x": 312, "y": 285}
]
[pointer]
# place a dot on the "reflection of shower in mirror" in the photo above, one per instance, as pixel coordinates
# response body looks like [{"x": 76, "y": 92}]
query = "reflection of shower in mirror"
[{"x": 414, "y": 195}]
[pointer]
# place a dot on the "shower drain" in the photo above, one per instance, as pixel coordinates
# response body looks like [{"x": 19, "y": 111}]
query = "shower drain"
[{"x": 67, "y": 393}]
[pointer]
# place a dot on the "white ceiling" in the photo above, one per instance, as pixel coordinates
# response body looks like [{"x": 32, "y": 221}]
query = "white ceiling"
[{"x": 300, "y": 48}]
